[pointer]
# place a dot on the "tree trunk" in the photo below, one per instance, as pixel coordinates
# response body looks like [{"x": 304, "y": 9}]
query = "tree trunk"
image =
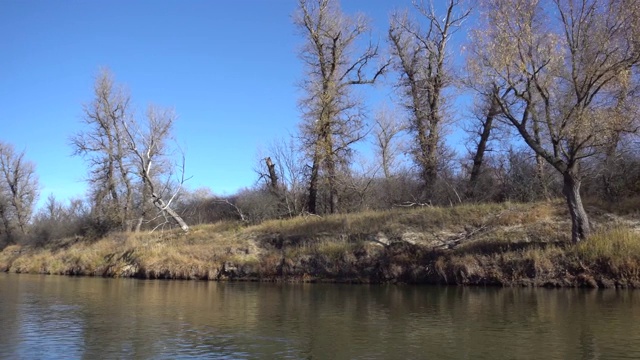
[
  {"x": 143, "y": 213},
  {"x": 160, "y": 204},
  {"x": 7, "y": 226},
  {"x": 478, "y": 158},
  {"x": 138, "y": 227},
  {"x": 429, "y": 176},
  {"x": 580, "y": 228},
  {"x": 333, "y": 186},
  {"x": 540, "y": 174},
  {"x": 610, "y": 192},
  {"x": 273, "y": 177},
  {"x": 128, "y": 205},
  {"x": 334, "y": 200},
  {"x": 430, "y": 160},
  {"x": 313, "y": 188}
]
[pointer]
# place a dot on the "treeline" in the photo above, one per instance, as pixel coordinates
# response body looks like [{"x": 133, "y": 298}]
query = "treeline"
[
  {"x": 556, "y": 89},
  {"x": 507, "y": 175}
]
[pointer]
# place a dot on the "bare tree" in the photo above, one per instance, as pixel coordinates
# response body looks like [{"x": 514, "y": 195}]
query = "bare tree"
[
  {"x": 18, "y": 191},
  {"x": 564, "y": 65},
  {"x": 333, "y": 117},
  {"x": 420, "y": 55},
  {"x": 57, "y": 220},
  {"x": 386, "y": 130},
  {"x": 358, "y": 185},
  {"x": 149, "y": 149},
  {"x": 120, "y": 149},
  {"x": 289, "y": 171},
  {"x": 274, "y": 193},
  {"x": 102, "y": 146}
]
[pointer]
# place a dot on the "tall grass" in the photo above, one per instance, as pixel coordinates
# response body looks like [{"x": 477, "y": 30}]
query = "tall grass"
[
  {"x": 615, "y": 245},
  {"x": 507, "y": 244}
]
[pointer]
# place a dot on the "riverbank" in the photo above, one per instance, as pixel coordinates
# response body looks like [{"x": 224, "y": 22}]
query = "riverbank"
[{"x": 490, "y": 244}]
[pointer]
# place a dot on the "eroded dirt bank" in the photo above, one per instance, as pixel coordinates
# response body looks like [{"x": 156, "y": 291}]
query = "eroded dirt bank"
[{"x": 499, "y": 244}]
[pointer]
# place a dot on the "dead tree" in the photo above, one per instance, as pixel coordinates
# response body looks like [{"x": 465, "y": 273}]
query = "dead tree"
[
  {"x": 149, "y": 149},
  {"x": 273, "y": 177}
]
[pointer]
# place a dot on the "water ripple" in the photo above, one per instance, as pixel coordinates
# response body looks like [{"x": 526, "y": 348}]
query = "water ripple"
[{"x": 71, "y": 318}]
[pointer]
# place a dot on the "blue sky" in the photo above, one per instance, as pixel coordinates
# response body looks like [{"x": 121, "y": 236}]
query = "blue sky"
[{"x": 228, "y": 67}]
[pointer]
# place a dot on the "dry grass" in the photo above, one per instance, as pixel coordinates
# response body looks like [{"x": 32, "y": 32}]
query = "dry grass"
[
  {"x": 502, "y": 244},
  {"x": 618, "y": 247},
  {"x": 390, "y": 222},
  {"x": 8, "y": 255}
]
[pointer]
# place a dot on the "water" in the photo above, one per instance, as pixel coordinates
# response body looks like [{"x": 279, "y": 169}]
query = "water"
[{"x": 66, "y": 317}]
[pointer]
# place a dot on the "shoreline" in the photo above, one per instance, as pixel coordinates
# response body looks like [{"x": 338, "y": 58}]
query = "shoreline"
[
  {"x": 471, "y": 245},
  {"x": 444, "y": 270}
]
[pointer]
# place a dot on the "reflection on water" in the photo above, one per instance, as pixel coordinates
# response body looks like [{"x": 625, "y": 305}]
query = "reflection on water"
[{"x": 62, "y": 317}]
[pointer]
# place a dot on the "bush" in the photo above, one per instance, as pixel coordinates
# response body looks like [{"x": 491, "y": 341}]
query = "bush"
[{"x": 57, "y": 221}]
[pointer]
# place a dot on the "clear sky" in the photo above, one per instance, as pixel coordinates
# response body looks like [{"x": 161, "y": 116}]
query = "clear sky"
[{"x": 228, "y": 67}]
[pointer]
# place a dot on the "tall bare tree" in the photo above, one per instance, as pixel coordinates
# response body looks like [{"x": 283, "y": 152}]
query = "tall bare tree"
[
  {"x": 18, "y": 191},
  {"x": 148, "y": 146},
  {"x": 564, "y": 64},
  {"x": 128, "y": 158},
  {"x": 102, "y": 144},
  {"x": 333, "y": 117},
  {"x": 421, "y": 53}
]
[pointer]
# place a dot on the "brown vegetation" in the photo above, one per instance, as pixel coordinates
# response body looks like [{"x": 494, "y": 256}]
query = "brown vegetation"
[{"x": 492, "y": 244}]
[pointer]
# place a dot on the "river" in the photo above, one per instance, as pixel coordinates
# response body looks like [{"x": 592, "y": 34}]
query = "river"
[{"x": 44, "y": 317}]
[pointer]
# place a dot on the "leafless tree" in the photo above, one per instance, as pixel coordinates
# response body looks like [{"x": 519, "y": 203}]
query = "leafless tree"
[
  {"x": 129, "y": 159},
  {"x": 388, "y": 132},
  {"x": 57, "y": 220},
  {"x": 282, "y": 171},
  {"x": 18, "y": 191},
  {"x": 387, "y": 129},
  {"x": 421, "y": 54},
  {"x": 149, "y": 149},
  {"x": 201, "y": 206},
  {"x": 564, "y": 65},
  {"x": 333, "y": 117},
  {"x": 358, "y": 185},
  {"x": 102, "y": 144}
]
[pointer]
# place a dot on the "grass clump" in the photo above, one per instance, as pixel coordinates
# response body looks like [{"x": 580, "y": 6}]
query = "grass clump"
[
  {"x": 614, "y": 246},
  {"x": 610, "y": 257}
]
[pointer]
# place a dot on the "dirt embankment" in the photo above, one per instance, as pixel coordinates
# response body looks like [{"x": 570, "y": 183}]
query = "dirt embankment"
[{"x": 499, "y": 244}]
